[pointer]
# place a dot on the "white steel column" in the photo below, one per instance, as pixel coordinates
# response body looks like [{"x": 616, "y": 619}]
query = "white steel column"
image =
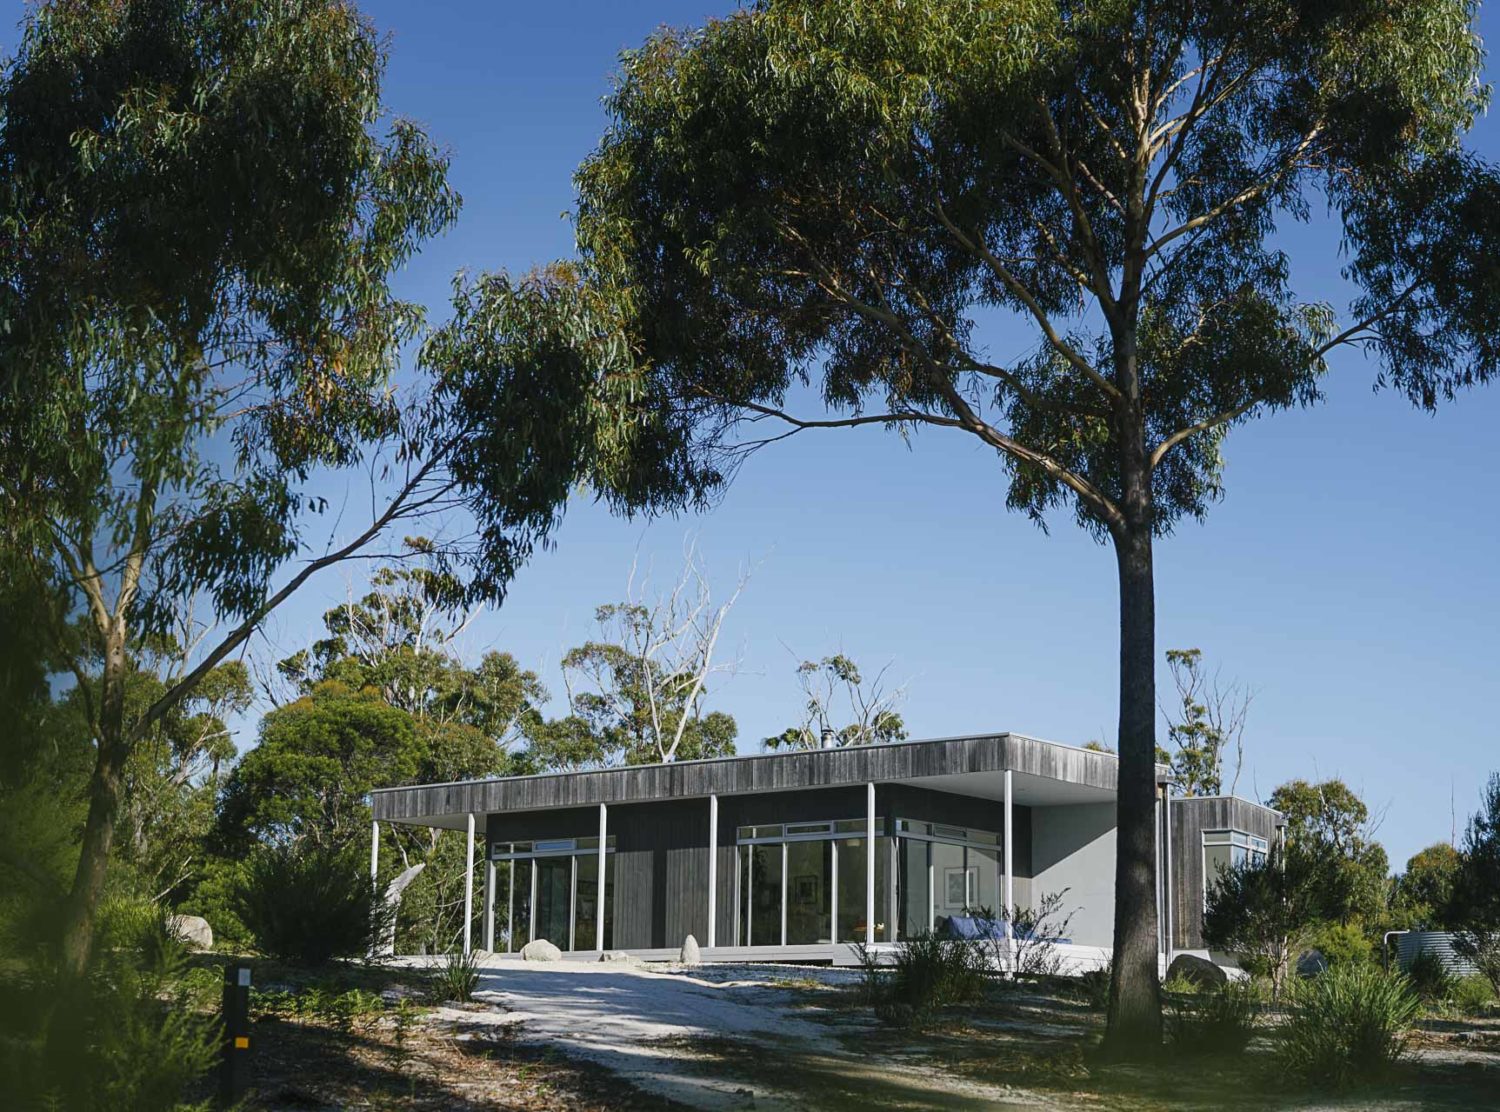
[
  {"x": 603, "y": 865},
  {"x": 469, "y": 886},
  {"x": 1167, "y": 885},
  {"x": 783, "y": 892},
  {"x": 713, "y": 870},
  {"x": 374, "y": 852},
  {"x": 1010, "y": 879},
  {"x": 870, "y": 864},
  {"x": 489, "y": 902}
]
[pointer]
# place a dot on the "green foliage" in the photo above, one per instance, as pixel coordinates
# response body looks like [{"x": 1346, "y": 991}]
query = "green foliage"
[
  {"x": 1329, "y": 825},
  {"x": 1476, "y": 886},
  {"x": 457, "y": 977},
  {"x": 1264, "y": 913},
  {"x": 131, "y": 1034},
  {"x": 1222, "y": 1021},
  {"x": 1347, "y": 1027},
  {"x": 873, "y": 719},
  {"x": 1209, "y": 721},
  {"x": 316, "y": 761},
  {"x": 928, "y": 974},
  {"x": 1430, "y": 978},
  {"x": 215, "y": 897},
  {"x": 1342, "y": 944},
  {"x": 308, "y": 903},
  {"x": 1472, "y": 994},
  {"x": 1422, "y": 896}
]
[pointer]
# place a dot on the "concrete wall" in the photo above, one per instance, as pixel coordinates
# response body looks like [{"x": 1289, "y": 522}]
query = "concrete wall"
[{"x": 1073, "y": 847}]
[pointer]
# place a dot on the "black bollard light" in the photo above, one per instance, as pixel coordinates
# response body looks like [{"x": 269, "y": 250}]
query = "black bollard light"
[{"x": 234, "y": 1066}]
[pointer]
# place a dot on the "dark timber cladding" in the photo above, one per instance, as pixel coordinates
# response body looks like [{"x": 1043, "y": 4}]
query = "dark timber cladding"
[
  {"x": 820, "y": 768},
  {"x": 1190, "y": 818}
]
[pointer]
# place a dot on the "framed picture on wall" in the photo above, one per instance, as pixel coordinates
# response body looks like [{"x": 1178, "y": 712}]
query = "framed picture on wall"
[
  {"x": 959, "y": 885},
  {"x": 805, "y": 889}
]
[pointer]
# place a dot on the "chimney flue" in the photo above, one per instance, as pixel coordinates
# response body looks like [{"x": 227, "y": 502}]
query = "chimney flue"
[{"x": 828, "y": 738}]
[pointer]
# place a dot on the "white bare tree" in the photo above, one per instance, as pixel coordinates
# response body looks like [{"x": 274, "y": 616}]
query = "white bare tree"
[{"x": 834, "y": 690}]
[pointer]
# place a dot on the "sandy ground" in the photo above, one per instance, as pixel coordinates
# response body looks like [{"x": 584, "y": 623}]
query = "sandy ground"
[{"x": 671, "y": 1032}]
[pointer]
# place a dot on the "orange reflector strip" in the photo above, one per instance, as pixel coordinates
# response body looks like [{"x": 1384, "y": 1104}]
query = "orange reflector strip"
[{"x": 241, "y": 1042}]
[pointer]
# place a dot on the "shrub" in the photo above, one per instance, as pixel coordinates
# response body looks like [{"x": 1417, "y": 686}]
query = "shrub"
[
  {"x": 1217, "y": 1022},
  {"x": 1472, "y": 993},
  {"x": 1429, "y": 977},
  {"x": 929, "y": 973},
  {"x": 457, "y": 977},
  {"x": 1482, "y": 947},
  {"x": 1095, "y": 986},
  {"x": 1347, "y": 1026},
  {"x": 307, "y": 904},
  {"x": 1037, "y": 931},
  {"x": 1343, "y": 944},
  {"x": 128, "y": 1035}
]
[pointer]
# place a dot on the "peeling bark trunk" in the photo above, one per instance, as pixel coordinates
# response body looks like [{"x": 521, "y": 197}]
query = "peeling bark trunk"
[
  {"x": 1135, "y": 990},
  {"x": 105, "y": 791}
]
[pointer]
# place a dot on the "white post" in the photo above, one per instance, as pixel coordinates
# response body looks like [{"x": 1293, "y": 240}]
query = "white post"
[
  {"x": 1010, "y": 879},
  {"x": 374, "y": 852},
  {"x": 603, "y": 864},
  {"x": 870, "y": 864},
  {"x": 713, "y": 870},
  {"x": 1167, "y": 887},
  {"x": 469, "y": 885},
  {"x": 489, "y": 903}
]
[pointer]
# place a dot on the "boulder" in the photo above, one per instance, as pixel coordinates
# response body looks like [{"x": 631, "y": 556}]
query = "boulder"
[
  {"x": 690, "y": 954},
  {"x": 193, "y": 931},
  {"x": 1199, "y": 972},
  {"x": 1311, "y": 962},
  {"x": 620, "y": 957},
  {"x": 539, "y": 949}
]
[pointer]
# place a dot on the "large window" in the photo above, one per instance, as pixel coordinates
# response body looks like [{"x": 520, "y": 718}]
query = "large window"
[
  {"x": 1228, "y": 849},
  {"x": 804, "y": 883},
  {"x": 944, "y": 871},
  {"x": 550, "y": 889}
]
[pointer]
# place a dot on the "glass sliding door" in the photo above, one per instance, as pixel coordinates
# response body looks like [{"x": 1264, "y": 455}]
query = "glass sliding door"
[
  {"x": 984, "y": 879},
  {"x": 809, "y": 878},
  {"x": 850, "y": 904},
  {"x": 519, "y": 904},
  {"x": 554, "y": 901},
  {"x": 760, "y": 897},
  {"x": 586, "y": 903},
  {"x": 914, "y": 887}
]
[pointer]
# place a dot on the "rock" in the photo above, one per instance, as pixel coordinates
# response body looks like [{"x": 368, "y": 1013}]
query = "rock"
[
  {"x": 690, "y": 954},
  {"x": 1200, "y": 972},
  {"x": 1311, "y": 963},
  {"x": 539, "y": 949},
  {"x": 192, "y": 930},
  {"x": 620, "y": 957}
]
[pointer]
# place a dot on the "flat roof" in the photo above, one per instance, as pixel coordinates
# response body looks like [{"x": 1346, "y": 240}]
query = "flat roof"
[{"x": 1043, "y": 773}]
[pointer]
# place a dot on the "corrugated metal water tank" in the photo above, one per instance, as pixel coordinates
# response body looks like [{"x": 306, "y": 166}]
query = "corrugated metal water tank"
[{"x": 1412, "y": 943}]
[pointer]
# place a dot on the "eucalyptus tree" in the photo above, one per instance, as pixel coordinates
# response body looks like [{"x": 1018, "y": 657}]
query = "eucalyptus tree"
[
  {"x": 201, "y": 207},
  {"x": 813, "y": 215}
]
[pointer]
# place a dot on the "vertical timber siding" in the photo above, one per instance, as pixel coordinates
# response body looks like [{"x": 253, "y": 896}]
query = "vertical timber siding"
[{"x": 1190, "y": 818}]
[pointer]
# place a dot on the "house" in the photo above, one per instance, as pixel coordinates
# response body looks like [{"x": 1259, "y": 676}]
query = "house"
[{"x": 768, "y": 857}]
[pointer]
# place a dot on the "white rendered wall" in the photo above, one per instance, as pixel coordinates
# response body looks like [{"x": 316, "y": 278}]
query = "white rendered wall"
[{"x": 1073, "y": 847}]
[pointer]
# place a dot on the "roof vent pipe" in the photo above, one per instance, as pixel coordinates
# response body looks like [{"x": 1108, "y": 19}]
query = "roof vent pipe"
[{"x": 828, "y": 738}]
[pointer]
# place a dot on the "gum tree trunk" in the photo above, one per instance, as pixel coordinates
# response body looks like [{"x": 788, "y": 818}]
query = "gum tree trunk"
[{"x": 1135, "y": 989}]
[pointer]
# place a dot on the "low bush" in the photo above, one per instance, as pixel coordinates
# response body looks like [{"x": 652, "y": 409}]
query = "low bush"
[
  {"x": 1429, "y": 977},
  {"x": 1347, "y": 1026},
  {"x": 457, "y": 977},
  {"x": 1220, "y": 1021},
  {"x": 1095, "y": 986},
  {"x": 1472, "y": 994},
  {"x": 129, "y": 1035},
  {"x": 928, "y": 974},
  {"x": 1343, "y": 944},
  {"x": 1482, "y": 947},
  {"x": 308, "y": 904}
]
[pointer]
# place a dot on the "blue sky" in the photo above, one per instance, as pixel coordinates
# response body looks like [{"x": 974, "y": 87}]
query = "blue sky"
[{"x": 1349, "y": 577}]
